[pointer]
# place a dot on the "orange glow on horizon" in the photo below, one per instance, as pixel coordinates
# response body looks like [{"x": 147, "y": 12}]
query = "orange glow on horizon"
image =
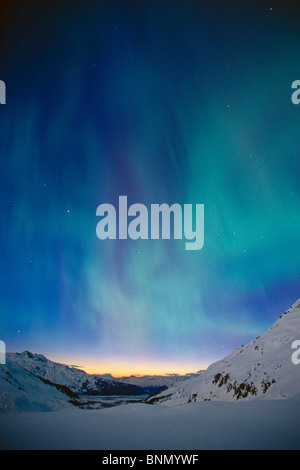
[
  {"x": 126, "y": 368},
  {"x": 117, "y": 371}
]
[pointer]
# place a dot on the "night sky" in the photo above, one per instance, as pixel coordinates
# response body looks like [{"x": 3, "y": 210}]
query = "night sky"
[{"x": 165, "y": 102}]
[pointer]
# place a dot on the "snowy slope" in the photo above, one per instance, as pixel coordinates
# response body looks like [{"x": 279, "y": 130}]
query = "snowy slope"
[
  {"x": 262, "y": 369},
  {"x": 76, "y": 380},
  {"x": 22, "y": 391}
]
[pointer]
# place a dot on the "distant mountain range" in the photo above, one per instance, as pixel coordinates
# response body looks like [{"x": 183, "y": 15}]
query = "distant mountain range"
[
  {"x": 152, "y": 383},
  {"x": 263, "y": 369}
]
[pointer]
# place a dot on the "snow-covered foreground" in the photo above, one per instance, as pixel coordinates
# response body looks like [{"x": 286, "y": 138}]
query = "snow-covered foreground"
[{"x": 196, "y": 426}]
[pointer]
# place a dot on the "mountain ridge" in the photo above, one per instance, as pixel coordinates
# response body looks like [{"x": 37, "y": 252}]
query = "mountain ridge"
[
  {"x": 75, "y": 379},
  {"x": 262, "y": 369}
]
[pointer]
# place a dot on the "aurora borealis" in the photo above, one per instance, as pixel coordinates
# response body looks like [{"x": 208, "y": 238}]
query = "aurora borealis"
[{"x": 164, "y": 102}]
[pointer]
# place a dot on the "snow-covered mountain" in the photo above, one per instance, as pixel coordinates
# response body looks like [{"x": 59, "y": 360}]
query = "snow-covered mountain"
[
  {"x": 31, "y": 382},
  {"x": 76, "y": 380},
  {"x": 263, "y": 369},
  {"x": 20, "y": 390}
]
